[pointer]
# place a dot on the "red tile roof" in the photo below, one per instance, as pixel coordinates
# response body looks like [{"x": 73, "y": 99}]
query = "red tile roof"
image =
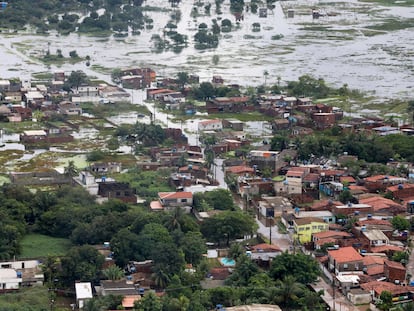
[
  {"x": 385, "y": 248},
  {"x": 379, "y": 287},
  {"x": 239, "y": 169},
  {"x": 324, "y": 204},
  {"x": 397, "y": 187},
  {"x": 373, "y": 221},
  {"x": 311, "y": 177},
  {"x": 128, "y": 301},
  {"x": 378, "y": 202},
  {"x": 159, "y": 91},
  {"x": 267, "y": 248},
  {"x": 373, "y": 260},
  {"x": 375, "y": 270},
  {"x": 291, "y": 173},
  {"x": 175, "y": 195},
  {"x": 345, "y": 254},
  {"x": 156, "y": 205},
  {"x": 348, "y": 179},
  {"x": 357, "y": 189},
  {"x": 394, "y": 264},
  {"x": 332, "y": 172},
  {"x": 375, "y": 178},
  {"x": 323, "y": 241},
  {"x": 331, "y": 234},
  {"x": 210, "y": 121}
]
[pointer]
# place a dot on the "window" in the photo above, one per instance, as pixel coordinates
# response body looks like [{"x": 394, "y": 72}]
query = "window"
[
  {"x": 345, "y": 266},
  {"x": 118, "y": 194},
  {"x": 314, "y": 227},
  {"x": 307, "y": 228}
]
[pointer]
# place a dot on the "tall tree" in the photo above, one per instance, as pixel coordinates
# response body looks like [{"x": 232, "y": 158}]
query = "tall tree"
[
  {"x": 303, "y": 267},
  {"x": 289, "y": 291}
]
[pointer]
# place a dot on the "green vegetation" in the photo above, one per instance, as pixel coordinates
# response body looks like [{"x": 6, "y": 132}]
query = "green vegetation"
[
  {"x": 45, "y": 16},
  {"x": 39, "y": 245},
  {"x": 30, "y": 298}
]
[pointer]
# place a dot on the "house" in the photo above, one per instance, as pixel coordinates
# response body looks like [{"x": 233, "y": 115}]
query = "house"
[
  {"x": 132, "y": 82},
  {"x": 234, "y": 124},
  {"x": 124, "y": 287},
  {"x": 294, "y": 179},
  {"x": 329, "y": 237},
  {"x": 195, "y": 171},
  {"x": 351, "y": 209},
  {"x": 105, "y": 168},
  {"x": 217, "y": 80},
  {"x": 261, "y": 160},
  {"x": 228, "y": 104},
  {"x": 147, "y": 75},
  {"x": 113, "y": 94},
  {"x": 326, "y": 216},
  {"x": 323, "y": 120},
  {"x": 117, "y": 190},
  {"x": 345, "y": 260},
  {"x": 4, "y": 85},
  {"x": 175, "y": 199},
  {"x": 401, "y": 191},
  {"x": 263, "y": 252},
  {"x": 374, "y": 266},
  {"x": 400, "y": 294},
  {"x": 210, "y": 125},
  {"x": 239, "y": 170},
  {"x": 270, "y": 206},
  {"x": 24, "y": 113},
  {"x": 382, "y": 205},
  {"x": 32, "y": 136},
  {"x": 14, "y": 97},
  {"x": 70, "y": 109},
  {"x": 10, "y": 279},
  {"x": 305, "y": 227},
  {"x": 83, "y": 292},
  {"x": 395, "y": 272},
  {"x": 379, "y": 183},
  {"x": 324, "y": 205},
  {"x": 375, "y": 238}
]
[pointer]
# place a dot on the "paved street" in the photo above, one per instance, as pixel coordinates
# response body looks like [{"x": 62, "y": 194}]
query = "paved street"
[{"x": 279, "y": 239}]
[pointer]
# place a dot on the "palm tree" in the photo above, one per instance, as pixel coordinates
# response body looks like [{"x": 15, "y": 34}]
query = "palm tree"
[
  {"x": 160, "y": 277},
  {"x": 235, "y": 251},
  {"x": 174, "y": 219},
  {"x": 113, "y": 273},
  {"x": 265, "y": 74},
  {"x": 50, "y": 268},
  {"x": 289, "y": 291},
  {"x": 70, "y": 170}
]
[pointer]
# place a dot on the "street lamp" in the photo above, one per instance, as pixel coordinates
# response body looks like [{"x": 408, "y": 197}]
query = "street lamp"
[{"x": 270, "y": 219}]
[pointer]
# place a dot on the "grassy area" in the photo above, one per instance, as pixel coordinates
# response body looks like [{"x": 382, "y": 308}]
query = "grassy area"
[
  {"x": 107, "y": 110},
  {"x": 38, "y": 245}
]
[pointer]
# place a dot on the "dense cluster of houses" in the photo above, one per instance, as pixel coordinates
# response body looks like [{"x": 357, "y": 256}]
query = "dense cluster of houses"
[{"x": 356, "y": 255}]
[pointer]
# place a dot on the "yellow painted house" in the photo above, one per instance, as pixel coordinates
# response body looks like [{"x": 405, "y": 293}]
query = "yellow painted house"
[{"x": 305, "y": 227}]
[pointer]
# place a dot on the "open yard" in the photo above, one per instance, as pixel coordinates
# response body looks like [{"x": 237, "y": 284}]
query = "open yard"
[{"x": 38, "y": 245}]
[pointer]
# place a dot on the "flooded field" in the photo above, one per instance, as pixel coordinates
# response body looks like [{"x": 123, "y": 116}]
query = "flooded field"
[{"x": 365, "y": 45}]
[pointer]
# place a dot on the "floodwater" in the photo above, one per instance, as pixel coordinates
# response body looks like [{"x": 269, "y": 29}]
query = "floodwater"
[{"x": 338, "y": 48}]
